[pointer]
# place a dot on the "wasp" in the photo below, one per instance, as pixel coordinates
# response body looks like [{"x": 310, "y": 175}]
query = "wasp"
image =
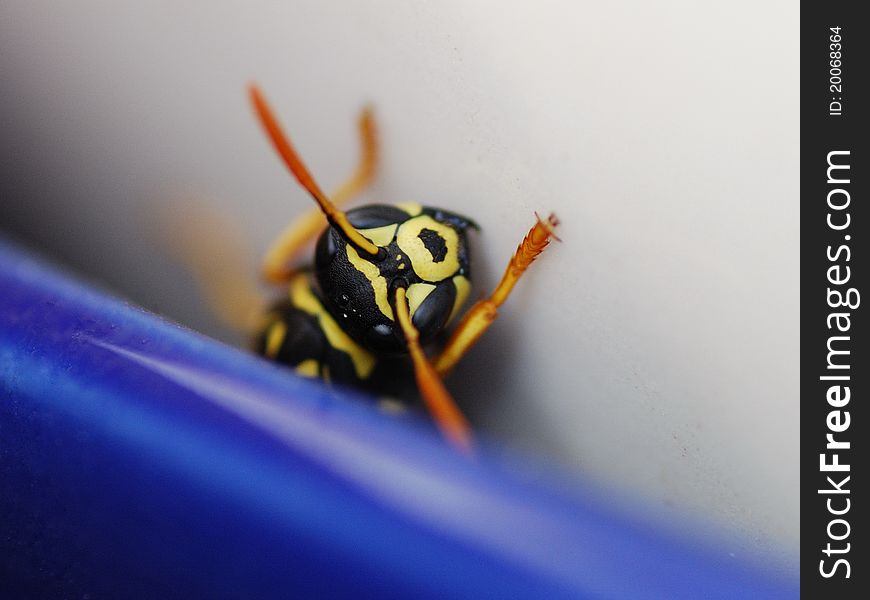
[{"x": 386, "y": 282}]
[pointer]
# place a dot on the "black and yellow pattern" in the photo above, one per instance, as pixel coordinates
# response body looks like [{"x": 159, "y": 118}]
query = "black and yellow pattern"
[
  {"x": 423, "y": 250},
  {"x": 387, "y": 279},
  {"x": 337, "y": 323}
]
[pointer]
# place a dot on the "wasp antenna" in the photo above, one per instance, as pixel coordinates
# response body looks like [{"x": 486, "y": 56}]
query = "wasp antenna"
[
  {"x": 551, "y": 222},
  {"x": 481, "y": 316},
  {"x": 290, "y": 157},
  {"x": 440, "y": 403}
]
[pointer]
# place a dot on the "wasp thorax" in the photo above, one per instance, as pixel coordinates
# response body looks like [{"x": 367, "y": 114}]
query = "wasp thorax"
[{"x": 424, "y": 250}]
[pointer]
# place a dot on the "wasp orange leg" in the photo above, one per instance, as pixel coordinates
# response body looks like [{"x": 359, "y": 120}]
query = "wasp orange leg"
[
  {"x": 368, "y": 160},
  {"x": 295, "y": 237},
  {"x": 213, "y": 249},
  {"x": 481, "y": 316},
  {"x": 447, "y": 415}
]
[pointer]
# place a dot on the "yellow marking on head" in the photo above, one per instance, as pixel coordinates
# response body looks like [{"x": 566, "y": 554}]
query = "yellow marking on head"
[
  {"x": 463, "y": 286},
  {"x": 308, "y": 368},
  {"x": 275, "y": 337},
  {"x": 401, "y": 266},
  {"x": 417, "y": 292},
  {"x": 381, "y": 236},
  {"x": 305, "y": 300},
  {"x": 421, "y": 259},
  {"x": 412, "y": 208},
  {"x": 373, "y": 274}
]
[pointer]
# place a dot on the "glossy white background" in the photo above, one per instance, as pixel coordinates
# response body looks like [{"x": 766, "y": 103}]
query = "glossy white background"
[{"x": 655, "y": 349}]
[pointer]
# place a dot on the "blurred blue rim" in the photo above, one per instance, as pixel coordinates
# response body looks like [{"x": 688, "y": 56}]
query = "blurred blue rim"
[{"x": 141, "y": 460}]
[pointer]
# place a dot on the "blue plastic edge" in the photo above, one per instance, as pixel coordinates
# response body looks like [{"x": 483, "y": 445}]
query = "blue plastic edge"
[{"x": 141, "y": 460}]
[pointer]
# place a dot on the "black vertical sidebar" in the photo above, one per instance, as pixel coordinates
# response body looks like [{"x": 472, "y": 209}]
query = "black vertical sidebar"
[{"x": 835, "y": 371}]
